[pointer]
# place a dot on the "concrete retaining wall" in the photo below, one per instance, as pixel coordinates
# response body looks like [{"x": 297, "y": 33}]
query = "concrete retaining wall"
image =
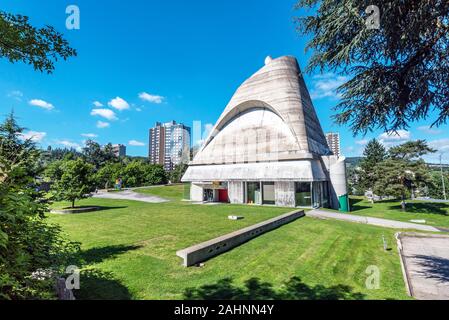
[{"x": 211, "y": 248}]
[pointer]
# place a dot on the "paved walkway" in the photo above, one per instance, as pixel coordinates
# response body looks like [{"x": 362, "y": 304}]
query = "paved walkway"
[
  {"x": 369, "y": 220},
  {"x": 426, "y": 259},
  {"x": 129, "y": 195}
]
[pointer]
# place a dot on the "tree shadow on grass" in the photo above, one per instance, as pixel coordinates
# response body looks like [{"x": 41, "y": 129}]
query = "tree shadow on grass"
[
  {"x": 100, "y": 285},
  {"x": 96, "y": 284},
  {"x": 355, "y": 206},
  {"x": 255, "y": 289},
  {"x": 97, "y": 255},
  {"x": 436, "y": 268},
  {"x": 426, "y": 208}
]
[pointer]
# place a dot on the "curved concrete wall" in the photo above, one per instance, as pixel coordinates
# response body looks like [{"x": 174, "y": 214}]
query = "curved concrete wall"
[
  {"x": 336, "y": 167},
  {"x": 280, "y": 88}
]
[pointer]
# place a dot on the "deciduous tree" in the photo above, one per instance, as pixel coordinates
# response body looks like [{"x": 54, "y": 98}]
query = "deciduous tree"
[
  {"x": 76, "y": 181},
  {"x": 39, "y": 47}
]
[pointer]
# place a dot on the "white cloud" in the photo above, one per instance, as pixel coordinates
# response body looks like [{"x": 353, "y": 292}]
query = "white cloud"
[
  {"x": 41, "y": 104},
  {"x": 89, "y": 135},
  {"x": 102, "y": 125},
  {"x": 362, "y": 142},
  {"x": 105, "y": 113},
  {"x": 151, "y": 98},
  {"x": 429, "y": 130},
  {"x": 138, "y": 109},
  {"x": 69, "y": 144},
  {"x": 325, "y": 86},
  {"x": 33, "y": 135},
  {"x": 395, "y": 135},
  {"x": 16, "y": 94},
  {"x": 136, "y": 143},
  {"x": 119, "y": 104},
  {"x": 442, "y": 145},
  {"x": 97, "y": 104},
  {"x": 390, "y": 139}
]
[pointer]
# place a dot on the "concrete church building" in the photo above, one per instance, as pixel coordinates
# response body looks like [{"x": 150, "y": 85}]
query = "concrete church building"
[{"x": 268, "y": 147}]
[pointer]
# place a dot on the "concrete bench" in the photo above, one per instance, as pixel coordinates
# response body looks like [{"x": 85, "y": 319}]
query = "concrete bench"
[{"x": 206, "y": 250}]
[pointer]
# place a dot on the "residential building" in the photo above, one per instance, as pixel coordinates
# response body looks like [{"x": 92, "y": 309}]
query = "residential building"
[
  {"x": 333, "y": 141},
  {"x": 119, "y": 150},
  {"x": 169, "y": 144},
  {"x": 268, "y": 147}
]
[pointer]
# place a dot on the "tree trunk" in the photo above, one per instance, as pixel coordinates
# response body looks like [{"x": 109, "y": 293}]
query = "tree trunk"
[
  {"x": 403, "y": 204},
  {"x": 73, "y": 204}
]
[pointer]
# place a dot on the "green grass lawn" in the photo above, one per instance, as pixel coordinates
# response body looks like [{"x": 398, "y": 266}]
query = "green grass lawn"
[
  {"x": 436, "y": 214},
  {"x": 129, "y": 252},
  {"x": 175, "y": 192}
]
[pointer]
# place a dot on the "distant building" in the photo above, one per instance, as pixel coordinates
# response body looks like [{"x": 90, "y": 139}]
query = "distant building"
[
  {"x": 168, "y": 144},
  {"x": 333, "y": 141},
  {"x": 119, "y": 150}
]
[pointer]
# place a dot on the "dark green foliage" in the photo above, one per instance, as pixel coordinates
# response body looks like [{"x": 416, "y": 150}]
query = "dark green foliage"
[
  {"x": 410, "y": 150},
  {"x": 178, "y": 172},
  {"x": 138, "y": 173},
  {"x": 27, "y": 243},
  {"x": 75, "y": 182},
  {"x": 374, "y": 154},
  {"x": 134, "y": 173},
  {"x": 403, "y": 172},
  {"x": 399, "y": 72},
  {"x": 106, "y": 176},
  {"x": 155, "y": 174},
  {"x": 41, "y": 48},
  {"x": 18, "y": 157},
  {"x": 435, "y": 189},
  {"x": 51, "y": 155},
  {"x": 98, "y": 156}
]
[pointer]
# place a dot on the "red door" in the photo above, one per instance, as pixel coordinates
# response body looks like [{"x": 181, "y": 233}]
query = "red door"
[{"x": 223, "y": 195}]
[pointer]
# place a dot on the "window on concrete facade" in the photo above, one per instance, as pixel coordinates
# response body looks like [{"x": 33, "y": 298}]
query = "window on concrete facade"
[
  {"x": 320, "y": 194},
  {"x": 303, "y": 194},
  {"x": 253, "y": 194},
  {"x": 268, "y": 193}
]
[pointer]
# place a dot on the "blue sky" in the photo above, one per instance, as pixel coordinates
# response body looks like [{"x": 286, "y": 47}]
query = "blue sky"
[{"x": 148, "y": 61}]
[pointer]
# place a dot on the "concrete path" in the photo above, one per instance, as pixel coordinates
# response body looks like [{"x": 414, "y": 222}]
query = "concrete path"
[
  {"x": 129, "y": 195},
  {"x": 426, "y": 260},
  {"x": 369, "y": 220}
]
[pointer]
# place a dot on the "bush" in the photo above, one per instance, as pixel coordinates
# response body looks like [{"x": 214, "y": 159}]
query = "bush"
[{"x": 27, "y": 242}]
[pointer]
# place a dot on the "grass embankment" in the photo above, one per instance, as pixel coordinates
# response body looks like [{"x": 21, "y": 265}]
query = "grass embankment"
[
  {"x": 435, "y": 214},
  {"x": 129, "y": 253}
]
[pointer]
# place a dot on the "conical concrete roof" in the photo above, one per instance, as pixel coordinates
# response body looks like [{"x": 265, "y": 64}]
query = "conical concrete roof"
[{"x": 270, "y": 118}]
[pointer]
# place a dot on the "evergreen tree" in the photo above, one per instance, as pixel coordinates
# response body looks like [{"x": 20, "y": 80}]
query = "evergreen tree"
[
  {"x": 403, "y": 171},
  {"x": 27, "y": 242},
  {"x": 397, "y": 70},
  {"x": 374, "y": 154}
]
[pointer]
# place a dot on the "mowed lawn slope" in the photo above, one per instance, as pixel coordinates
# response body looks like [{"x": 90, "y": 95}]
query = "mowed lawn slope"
[
  {"x": 435, "y": 214},
  {"x": 129, "y": 252}
]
